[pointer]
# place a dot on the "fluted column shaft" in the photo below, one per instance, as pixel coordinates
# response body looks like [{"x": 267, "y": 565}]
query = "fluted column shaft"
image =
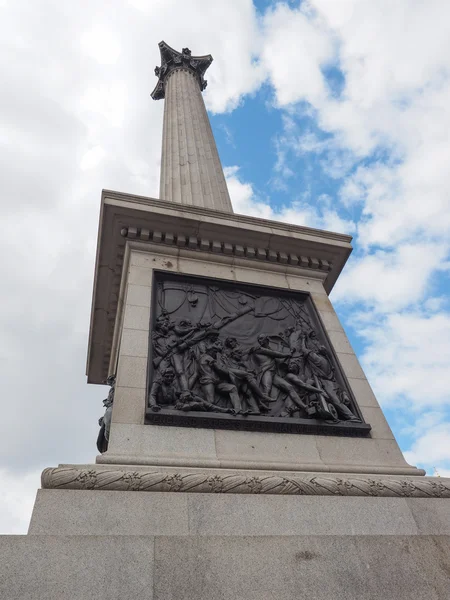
[{"x": 191, "y": 172}]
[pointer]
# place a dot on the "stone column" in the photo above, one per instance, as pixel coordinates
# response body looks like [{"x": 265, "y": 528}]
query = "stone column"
[{"x": 191, "y": 172}]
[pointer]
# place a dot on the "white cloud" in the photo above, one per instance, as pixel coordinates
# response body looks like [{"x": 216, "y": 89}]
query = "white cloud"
[
  {"x": 407, "y": 357},
  {"x": 295, "y": 47},
  {"x": 92, "y": 158},
  {"x": 395, "y": 59},
  {"x": 432, "y": 449},
  {"x": 17, "y": 495},
  {"x": 389, "y": 280},
  {"x": 101, "y": 44},
  {"x": 246, "y": 201}
]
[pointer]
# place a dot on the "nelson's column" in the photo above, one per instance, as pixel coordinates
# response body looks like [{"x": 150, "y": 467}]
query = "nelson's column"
[{"x": 243, "y": 454}]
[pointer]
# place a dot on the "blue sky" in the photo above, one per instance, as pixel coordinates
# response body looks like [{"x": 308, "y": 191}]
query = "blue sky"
[{"x": 329, "y": 113}]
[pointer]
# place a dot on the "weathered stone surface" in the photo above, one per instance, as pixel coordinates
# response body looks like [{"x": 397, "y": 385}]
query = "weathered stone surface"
[
  {"x": 296, "y": 567},
  {"x": 380, "y": 427},
  {"x": 225, "y": 514},
  {"x": 76, "y": 567},
  {"x": 101, "y": 512},
  {"x": 363, "y": 392},
  {"x": 226, "y": 567},
  {"x": 129, "y": 405},
  {"x": 256, "y": 446},
  {"x": 361, "y": 452},
  {"x": 139, "y": 295},
  {"x": 91, "y": 513},
  {"x": 134, "y": 342},
  {"x": 132, "y": 371},
  {"x": 137, "y": 317},
  {"x": 431, "y": 515},
  {"x": 149, "y": 441}
]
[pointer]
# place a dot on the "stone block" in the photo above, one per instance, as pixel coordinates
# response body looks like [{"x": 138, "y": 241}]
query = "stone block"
[
  {"x": 302, "y": 568},
  {"x": 87, "y": 512},
  {"x": 362, "y": 453},
  {"x": 166, "y": 259},
  {"x": 132, "y": 372},
  {"x": 76, "y": 567},
  {"x": 137, "y": 317},
  {"x": 432, "y": 515},
  {"x": 129, "y": 405},
  {"x": 351, "y": 365},
  {"x": 330, "y": 321},
  {"x": 322, "y": 302},
  {"x": 159, "y": 441},
  {"x": 262, "y": 277},
  {"x": 380, "y": 427},
  {"x": 134, "y": 342},
  {"x": 140, "y": 276},
  {"x": 253, "y": 515},
  {"x": 304, "y": 284},
  {"x": 139, "y": 295},
  {"x": 291, "y": 567},
  {"x": 303, "y": 261},
  {"x": 340, "y": 342},
  {"x": 207, "y": 267},
  {"x": 363, "y": 392},
  {"x": 266, "y": 447}
]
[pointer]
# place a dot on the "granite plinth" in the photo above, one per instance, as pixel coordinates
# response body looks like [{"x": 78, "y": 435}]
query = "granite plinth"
[
  {"x": 227, "y": 567},
  {"x": 88, "y": 512}
]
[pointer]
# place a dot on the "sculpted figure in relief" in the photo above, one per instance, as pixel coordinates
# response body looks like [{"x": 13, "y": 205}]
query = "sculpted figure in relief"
[
  {"x": 105, "y": 421},
  {"x": 318, "y": 360},
  {"x": 265, "y": 357},
  {"x": 215, "y": 377}
]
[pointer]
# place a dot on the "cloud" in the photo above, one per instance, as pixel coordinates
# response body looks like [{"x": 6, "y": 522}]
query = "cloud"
[
  {"x": 395, "y": 66},
  {"x": 432, "y": 449},
  {"x": 388, "y": 280},
  {"x": 17, "y": 495},
  {"x": 246, "y": 201},
  {"x": 295, "y": 48},
  {"x": 407, "y": 356}
]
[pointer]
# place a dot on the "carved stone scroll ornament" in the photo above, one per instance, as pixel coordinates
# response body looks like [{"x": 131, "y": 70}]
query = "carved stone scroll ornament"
[
  {"x": 249, "y": 357},
  {"x": 236, "y": 483}
]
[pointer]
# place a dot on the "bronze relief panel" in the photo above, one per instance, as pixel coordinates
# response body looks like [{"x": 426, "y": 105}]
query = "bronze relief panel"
[{"x": 236, "y": 356}]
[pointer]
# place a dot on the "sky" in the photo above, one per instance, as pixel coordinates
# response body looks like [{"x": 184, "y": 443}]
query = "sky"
[{"x": 327, "y": 113}]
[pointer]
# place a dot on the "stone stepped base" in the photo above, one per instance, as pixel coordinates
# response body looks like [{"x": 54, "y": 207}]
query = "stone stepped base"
[
  {"x": 285, "y": 567},
  {"x": 158, "y": 545}
]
